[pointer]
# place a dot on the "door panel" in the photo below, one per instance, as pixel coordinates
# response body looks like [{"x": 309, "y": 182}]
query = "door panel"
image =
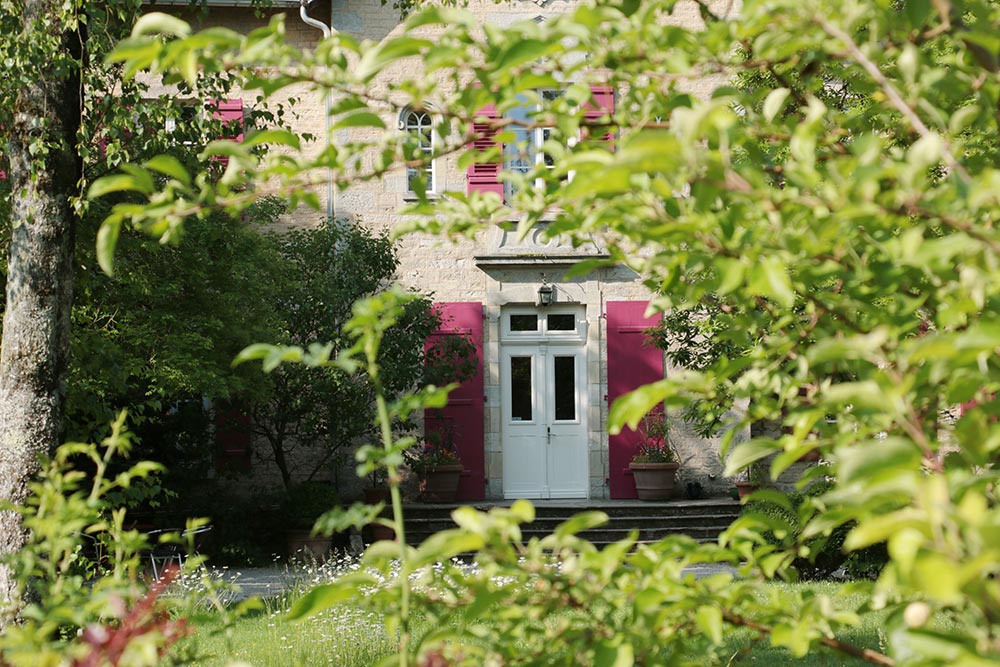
[
  {"x": 523, "y": 427},
  {"x": 544, "y": 431}
]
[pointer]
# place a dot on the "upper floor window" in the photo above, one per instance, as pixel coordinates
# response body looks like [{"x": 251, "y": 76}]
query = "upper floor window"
[
  {"x": 528, "y": 151},
  {"x": 187, "y": 121},
  {"x": 419, "y": 125}
]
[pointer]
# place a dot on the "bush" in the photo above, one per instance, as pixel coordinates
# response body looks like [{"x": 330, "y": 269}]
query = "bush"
[{"x": 825, "y": 554}]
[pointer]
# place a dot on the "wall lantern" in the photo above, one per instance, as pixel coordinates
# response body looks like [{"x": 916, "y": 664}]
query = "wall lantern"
[{"x": 545, "y": 295}]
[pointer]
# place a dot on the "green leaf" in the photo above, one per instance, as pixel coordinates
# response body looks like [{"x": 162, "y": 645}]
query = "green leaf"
[
  {"x": 523, "y": 510},
  {"x": 158, "y": 23},
  {"x": 877, "y": 458},
  {"x": 107, "y": 240},
  {"x": 748, "y": 452},
  {"x": 581, "y": 522},
  {"x": 774, "y": 102},
  {"x": 709, "y": 621},
  {"x": 524, "y": 51},
  {"x": 628, "y": 410},
  {"x": 273, "y": 137},
  {"x": 613, "y": 653},
  {"x": 769, "y": 278},
  {"x": 731, "y": 274},
  {"x": 860, "y": 346},
  {"x": 917, "y": 12},
  {"x": 113, "y": 183},
  {"x": 866, "y": 394},
  {"x": 272, "y": 355},
  {"x": 880, "y": 528},
  {"x": 321, "y": 598},
  {"x": 445, "y": 545},
  {"x": 169, "y": 166},
  {"x": 376, "y": 59},
  {"x": 360, "y": 119},
  {"x": 794, "y": 638}
]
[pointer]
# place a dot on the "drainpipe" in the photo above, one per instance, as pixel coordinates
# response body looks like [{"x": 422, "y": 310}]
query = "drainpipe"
[{"x": 327, "y": 31}]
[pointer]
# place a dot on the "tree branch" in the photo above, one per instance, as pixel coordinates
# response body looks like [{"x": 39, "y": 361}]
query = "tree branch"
[
  {"x": 894, "y": 96},
  {"x": 865, "y": 654}
]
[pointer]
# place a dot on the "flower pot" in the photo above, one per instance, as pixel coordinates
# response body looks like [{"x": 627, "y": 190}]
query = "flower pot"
[
  {"x": 376, "y": 495},
  {"x": 654, "y": 481},
  {"x": 376, "y": 532},
  {"x": 301, "y": 541},
  {"x": 440, "y": 484},
  {"x": 744, "y": 489}
]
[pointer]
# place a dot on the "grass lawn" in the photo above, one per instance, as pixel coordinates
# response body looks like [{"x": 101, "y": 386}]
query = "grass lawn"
[{"x": 348, "y": 637}]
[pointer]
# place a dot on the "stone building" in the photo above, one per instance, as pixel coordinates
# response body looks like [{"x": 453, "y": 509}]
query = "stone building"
[{"x": 554, "y": 351}]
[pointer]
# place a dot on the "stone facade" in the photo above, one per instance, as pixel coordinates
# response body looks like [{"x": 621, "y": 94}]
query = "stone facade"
[{"x": 494, "y": 269}]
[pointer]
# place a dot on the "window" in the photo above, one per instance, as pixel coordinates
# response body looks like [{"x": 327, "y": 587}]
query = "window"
[
  {"x": 188, "y": 119},
  {"x": 528, "y": 148},
  {"x": 420, "y": 126},
  {"x": 526, "y": 152},
  {"x": 182, "y": 123}
]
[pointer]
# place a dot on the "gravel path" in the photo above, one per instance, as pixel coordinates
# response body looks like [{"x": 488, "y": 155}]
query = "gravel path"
[{"x": 271, "y": 581}]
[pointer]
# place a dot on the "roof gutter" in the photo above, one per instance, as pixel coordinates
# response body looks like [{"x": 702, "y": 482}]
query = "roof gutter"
[{"x": 327, "y": 31}]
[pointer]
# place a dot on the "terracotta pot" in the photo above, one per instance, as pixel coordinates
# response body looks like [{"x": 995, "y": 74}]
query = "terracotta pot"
[
  {"x": 440, "y": 484},
  {"x": 654, "y": 481},
  {"x": 744, "y": 489},
  {"x": 377, "y": 532},
  {"x": 376, "y": 495},
  {"x": 300, "y": 541}
]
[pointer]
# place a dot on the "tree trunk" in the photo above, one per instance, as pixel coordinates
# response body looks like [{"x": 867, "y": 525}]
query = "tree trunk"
[{"x": 36, "y": 321}]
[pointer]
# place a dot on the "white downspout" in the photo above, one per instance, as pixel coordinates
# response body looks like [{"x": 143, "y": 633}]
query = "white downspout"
[{"x": 327, "y": 31}]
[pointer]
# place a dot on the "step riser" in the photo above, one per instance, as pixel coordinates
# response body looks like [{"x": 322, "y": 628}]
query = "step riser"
[
  {"x": 703, "y": 521},
  {"x": 549, "y": 526}
]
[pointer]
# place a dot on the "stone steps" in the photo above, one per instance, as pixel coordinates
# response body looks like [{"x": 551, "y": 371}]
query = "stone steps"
[{"x": 702, "y": 520}]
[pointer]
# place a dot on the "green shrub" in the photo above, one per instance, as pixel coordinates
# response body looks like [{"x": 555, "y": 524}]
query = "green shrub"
[{"x": 824, "y": 555}]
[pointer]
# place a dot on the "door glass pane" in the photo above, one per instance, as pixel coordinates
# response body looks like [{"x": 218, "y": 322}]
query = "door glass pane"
[
  {"x": 565, "y": 388},
  {"x": 524, "y": 322},
  {"x": 562, "y": 322},
  {"x": 520, "y": 389}
]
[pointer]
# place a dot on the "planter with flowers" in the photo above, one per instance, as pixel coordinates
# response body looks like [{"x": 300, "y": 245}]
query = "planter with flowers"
[
  {"x": 654, "y": 464},
  {"x": 438, "y": 469}
]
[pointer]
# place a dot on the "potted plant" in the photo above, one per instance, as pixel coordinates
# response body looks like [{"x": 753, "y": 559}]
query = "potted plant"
[
  {"x": 303, "y": 504},
  {"x": 750, "y": 479},
  {"x": 654, "y": 464},
  {"x": 437, "y": 466},
  {"x": 378, "y": 492}
]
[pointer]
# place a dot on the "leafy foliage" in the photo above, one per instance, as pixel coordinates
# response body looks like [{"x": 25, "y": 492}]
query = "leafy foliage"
[
  {"x": 80, "y": 572},
  {"x": 840, "y": 210},
  {"x": 315, "y": 415},
  {"x": 654, "y": 444}
]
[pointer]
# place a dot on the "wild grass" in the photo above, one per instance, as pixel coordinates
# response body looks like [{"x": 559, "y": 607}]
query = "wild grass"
[{"x": 346, "y": 636}]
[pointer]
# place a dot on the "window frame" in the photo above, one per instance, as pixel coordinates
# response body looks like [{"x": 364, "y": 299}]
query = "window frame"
[
  {"x": 536, "y": 138},
  {"x": 431, "y": 170}
]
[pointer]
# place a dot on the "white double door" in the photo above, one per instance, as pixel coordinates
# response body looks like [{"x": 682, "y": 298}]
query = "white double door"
[{"x": 543, "y": 412}]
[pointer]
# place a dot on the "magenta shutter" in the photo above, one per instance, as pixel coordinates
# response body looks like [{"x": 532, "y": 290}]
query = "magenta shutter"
[
  {"x": 464, "y": 413},
  {"x": 485, "y": 176},
  {"x": 604, "y": 104},
  {"x": 232, "y": 439},
  {"x": 230, "y": 112},
  {"x": 631, "y": 363}
]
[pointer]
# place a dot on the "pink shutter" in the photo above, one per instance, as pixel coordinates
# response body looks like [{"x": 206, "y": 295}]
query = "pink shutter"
[
  {"x": 230, "y": 112},
  {"x": 485, "y": 176},
  {"x": 604, "y": 104},
  {"x": 232, "y": 439},
  {"x": 632, "y": 362},
  {"x": 464, "y": 413}
]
